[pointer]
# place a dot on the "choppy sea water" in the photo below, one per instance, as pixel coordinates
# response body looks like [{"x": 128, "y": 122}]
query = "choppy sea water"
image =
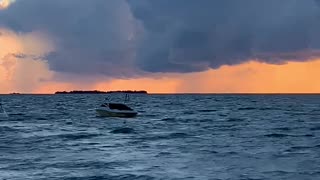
[{"x": 174, "y": 137}]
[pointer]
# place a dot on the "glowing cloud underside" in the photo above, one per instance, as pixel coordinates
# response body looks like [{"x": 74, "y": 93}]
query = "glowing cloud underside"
[
  {"x": 4, "y": 4},
  {"x": 256, "y": 77},
  {"x": 27, "y": 74},
  {"x": 250, "y": 77}
]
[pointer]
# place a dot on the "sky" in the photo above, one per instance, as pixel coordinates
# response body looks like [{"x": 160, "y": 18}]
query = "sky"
[{"x": 180, "y": 46}]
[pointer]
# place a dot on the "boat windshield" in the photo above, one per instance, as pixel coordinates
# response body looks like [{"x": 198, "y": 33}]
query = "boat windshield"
[
  {"x": 104, "y": 105},
  {"x": 119, "y": 106}
]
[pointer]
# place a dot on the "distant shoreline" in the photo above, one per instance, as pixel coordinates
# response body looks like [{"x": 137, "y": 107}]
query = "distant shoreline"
[
  {"x": 101, "y": 92},
  {"x": 215, "y": 94}
]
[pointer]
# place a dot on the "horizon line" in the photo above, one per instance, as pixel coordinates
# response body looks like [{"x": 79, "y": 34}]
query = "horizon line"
[{"x": 179, "y": 93}]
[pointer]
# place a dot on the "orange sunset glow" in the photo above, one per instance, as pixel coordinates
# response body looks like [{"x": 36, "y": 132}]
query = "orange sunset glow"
[
  {"x": 251, "y": 77},
  {"x": 34, "y": 76},
  {"x": 4, "y": 4}
]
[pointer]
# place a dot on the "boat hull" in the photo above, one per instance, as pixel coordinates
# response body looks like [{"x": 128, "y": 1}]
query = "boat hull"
[{"x": 110, "y": 113}]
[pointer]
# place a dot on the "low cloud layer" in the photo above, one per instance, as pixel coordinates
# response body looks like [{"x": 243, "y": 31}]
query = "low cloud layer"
[{"x": 125, "y": 38}]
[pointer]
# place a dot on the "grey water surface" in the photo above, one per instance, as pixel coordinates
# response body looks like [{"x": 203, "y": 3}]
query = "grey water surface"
[{"x": 173, "y": 137}]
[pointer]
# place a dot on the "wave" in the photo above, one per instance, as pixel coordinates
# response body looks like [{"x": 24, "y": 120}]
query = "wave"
[
  {"x": 123, "y": 131},
  {"x": 118, "y": 177},
  {"x": 76, "y": 136},
  {"x": 315, "y": 128},
  {"x": 176, "y": 135},
  {"x": 235, "y": 119},
  {"x": 246, "y": 108},
  {"x": 207, "y": 110},
  {"x": 281, "y": 135}
]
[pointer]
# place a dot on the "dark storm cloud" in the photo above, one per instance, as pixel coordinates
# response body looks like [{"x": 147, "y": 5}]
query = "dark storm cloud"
[
  {"x": 104, "y": 36},
  {"x": 190, "y": 35},
  {"x": 90, "y": 36}
]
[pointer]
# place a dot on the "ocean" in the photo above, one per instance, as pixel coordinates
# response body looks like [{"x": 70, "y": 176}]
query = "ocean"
[{"x": 219, "y": 137}]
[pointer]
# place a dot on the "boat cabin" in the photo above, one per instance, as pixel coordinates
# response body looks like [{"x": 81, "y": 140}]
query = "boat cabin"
[{"x": 117, "y": 106}]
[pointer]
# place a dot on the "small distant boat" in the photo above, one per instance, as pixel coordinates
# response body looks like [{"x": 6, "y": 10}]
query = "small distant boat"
[
  {"x": 3, "y": 113},
  {"x": 114, "y": 109}
]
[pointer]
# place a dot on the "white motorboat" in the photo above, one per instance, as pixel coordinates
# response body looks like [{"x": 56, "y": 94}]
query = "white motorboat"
[{"x": 115, "y": 109}]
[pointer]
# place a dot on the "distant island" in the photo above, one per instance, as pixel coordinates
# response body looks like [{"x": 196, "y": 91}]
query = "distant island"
[
  {"x": 15, "y": 93},
  {"x": 100, "y": 92},
  {"x": 80, "y": 92},
  {"x": 128, "y": 92}
]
